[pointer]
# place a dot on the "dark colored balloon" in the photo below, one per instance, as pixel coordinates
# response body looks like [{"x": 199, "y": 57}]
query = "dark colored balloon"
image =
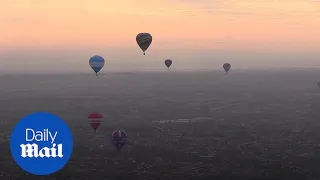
[
  {"x": 96, "y": 62},
  {"x": 144, "y": 40},
  {"x": 95, "y": 120},
  {"x": 226, "y": 67},
  {"x": 119, "y": 138},
  {"x": 168, "y": 62}
]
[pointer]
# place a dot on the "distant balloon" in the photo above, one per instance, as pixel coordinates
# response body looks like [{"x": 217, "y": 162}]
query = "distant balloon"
[
  {"x": 168, "y": 62},
  {"x": 318, "y": 83},
  {"x": 119, "y": 138},
  {"x": 96, "y": 62},
  {"x": 144, "y": 40},
  {"x": 226, "y": 67},
  {"x": 95, "y": 119}
]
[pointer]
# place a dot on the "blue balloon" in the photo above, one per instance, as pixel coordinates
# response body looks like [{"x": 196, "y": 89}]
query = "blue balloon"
[{"x": 96, "y": 62}]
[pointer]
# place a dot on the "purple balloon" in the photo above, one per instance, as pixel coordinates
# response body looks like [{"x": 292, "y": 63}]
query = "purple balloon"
[
  {"x": 168, "y": 62},
  {"x": 226, "y": 67}
]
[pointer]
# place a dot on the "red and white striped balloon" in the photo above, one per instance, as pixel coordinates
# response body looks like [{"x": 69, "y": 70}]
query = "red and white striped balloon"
[{"x": 95, "y": 119}]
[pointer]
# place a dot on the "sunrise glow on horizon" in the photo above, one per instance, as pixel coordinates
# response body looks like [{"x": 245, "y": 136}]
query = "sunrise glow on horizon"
[
  {"x": 211, "y": 24},
  {"x": 60, "y": 35}
]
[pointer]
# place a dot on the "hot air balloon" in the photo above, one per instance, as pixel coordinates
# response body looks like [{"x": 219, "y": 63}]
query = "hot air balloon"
[
  {"x": 96, "y": 62},
  {"x": 168, "y": 62},
  {"x": 119, "y": 139},
  {"x": 144, "y": 40},
  {"x": 95, "y": 120},
  {"x": 226, "y": 67}
]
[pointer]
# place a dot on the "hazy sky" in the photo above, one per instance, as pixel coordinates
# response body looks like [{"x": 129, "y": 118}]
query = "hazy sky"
[{"x": 61, "y": 35}]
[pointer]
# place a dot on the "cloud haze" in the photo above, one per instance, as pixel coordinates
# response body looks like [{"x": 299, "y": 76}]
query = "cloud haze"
[{"x": 13, "y": 20}]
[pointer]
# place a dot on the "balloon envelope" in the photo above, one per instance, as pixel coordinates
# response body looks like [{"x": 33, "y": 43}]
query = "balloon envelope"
[
  {"x": 168, "y": 62},
  {"x": 144, "y": 40},
  {"x": 119, "y": 139},
  {"x": 226, "y": 67},
  {"x": 96, "y": 62},
  {"x": 95, "y": 120}
]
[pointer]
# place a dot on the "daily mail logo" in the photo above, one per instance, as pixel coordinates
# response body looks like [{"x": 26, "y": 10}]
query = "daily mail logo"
[
  {"x": 41, "y": 138},
  {"x": 32, "y": 150}
]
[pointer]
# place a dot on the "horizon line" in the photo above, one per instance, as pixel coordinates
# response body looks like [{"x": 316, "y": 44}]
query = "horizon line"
[{"x": 290, "y": 68}]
